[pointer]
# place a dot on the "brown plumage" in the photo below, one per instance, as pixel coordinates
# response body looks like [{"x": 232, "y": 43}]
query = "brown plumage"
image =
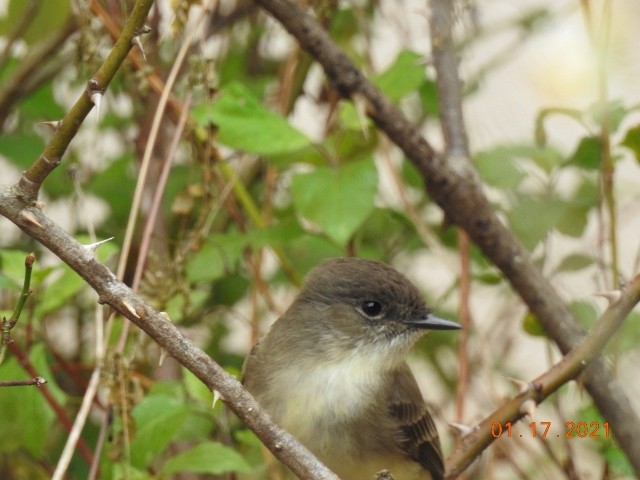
[{"x": 332, "y": 372}]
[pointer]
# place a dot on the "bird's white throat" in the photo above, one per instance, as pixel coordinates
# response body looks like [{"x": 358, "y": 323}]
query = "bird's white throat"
[{"x": 323, "y": 393}]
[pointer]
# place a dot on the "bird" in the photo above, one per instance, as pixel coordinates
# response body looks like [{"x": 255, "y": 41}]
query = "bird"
[{"x": 332, "y": 371}]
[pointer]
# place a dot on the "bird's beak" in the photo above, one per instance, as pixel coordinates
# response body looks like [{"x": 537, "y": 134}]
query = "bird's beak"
[{"x": 433, "y": 322}]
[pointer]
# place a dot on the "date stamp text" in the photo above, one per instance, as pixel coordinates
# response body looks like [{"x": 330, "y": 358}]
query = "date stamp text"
[{"x": 546, "y": 429}]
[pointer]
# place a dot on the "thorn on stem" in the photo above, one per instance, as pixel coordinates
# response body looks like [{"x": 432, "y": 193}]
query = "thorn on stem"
[
  {"x": 95, "y": 94},
  {"x": 216, "y": 396},
  {"x": 528, "y": 407},
  {"x": 521, "y": 385},
  {"x": 29, "y": 218},
  {"x": 96, "y": 98},
  {"x": 52, "y": 124},
  {"x": 460, "y": 429},
  {"x": 92, "y": 247},
  {"x": 137, "y": 43},
  {"x": 163, "y": 355},
  {"x": 611, "y": 296},
  {"x": 130, "y": 309}
]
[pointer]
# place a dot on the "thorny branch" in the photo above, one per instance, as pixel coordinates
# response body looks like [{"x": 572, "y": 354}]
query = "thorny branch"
[{"x": 18, "y": 204}]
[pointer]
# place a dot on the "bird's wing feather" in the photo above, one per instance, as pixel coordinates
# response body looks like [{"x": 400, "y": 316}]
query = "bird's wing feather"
[{"x": 415, "y": 432}]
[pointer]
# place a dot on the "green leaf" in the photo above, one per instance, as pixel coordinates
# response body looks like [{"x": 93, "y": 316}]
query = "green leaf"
[
  {"x": 229, "y": 289},
  {"x": 403, "y": 77},
  {"x": 532, "y": 219},
  {"x": 618, "y": 461},
  {"x": 385, "y": 233},
  {"x": 632, "y": 141},
  {"x": 195, "y": 388},
  {"x": 532, "y": 325},
  {"x": 116, "y": 185},
  {"x": 27, "y": 417},
  {"x": 274, "y": 235},
  {"x": 337, "y": 199},
  {"x": 12, "y": 268},
  {"x": 60, "y": 292},
  {"x": 489, "y": 278},
  {"x": 628, "y": 337},
  {"x": 207, "y": 457},
  {"x": 573, "y": 221},
  {"x": 584, "y": 313},
  {"x": 308, "y": 251},
  {"x": 42, "y": 105},
  {"x": 69, "y": 283},
  {"x": 48, "y": 17},
  {"x": 120, "y": 471},
  {"x": 246, "y": 125},
  {"x": 613, "y": 111},
  {"x": 546, "y": 158},
  {"x": 351, "y": 119},
  {"x": 157, "y": 419},
  {"x": 428, "y": 92},
  {"x": 217, "y": 257},
  {"x": 498, "y": 167},
  {"x": 587, "y": 154},
  {"x": 574, "y": 262},
  {"x": 577, "y": 208},
  {"x": 21, "y": 148}
]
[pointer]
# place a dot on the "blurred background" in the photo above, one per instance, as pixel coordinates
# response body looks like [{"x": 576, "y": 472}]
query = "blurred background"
[{"x": 217, "y": 221}]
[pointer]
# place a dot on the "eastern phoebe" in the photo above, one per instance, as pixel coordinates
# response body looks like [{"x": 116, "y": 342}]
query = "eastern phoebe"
[{"x": 332, "y": 372}]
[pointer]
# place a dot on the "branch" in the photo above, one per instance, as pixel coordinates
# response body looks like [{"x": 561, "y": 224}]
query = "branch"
[
  {"x": 9, "y": 324},
  {"x": 123, "y": 300},
  {"x": 577, "y": 360},
  {"x": 33, "y": 177},
  {"x": 454, "y": 185},
  {"x": 37, "y": 381}
]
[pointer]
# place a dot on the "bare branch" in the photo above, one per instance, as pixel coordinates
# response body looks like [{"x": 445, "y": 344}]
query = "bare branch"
[
  {"x": 568, "y": 368},
  {"x": 37, "y": 381}
]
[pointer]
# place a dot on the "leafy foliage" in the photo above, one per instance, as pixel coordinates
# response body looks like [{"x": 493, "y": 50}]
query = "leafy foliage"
[{"x": 273, "y": 174}]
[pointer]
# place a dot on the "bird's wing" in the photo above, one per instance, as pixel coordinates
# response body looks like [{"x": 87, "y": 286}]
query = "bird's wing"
[{"x": 415, "y": 432}]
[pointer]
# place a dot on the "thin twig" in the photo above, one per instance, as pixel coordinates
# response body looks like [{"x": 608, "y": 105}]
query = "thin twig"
[
  {"x": 457, "y": 149},
  {"x": 58, "y": 409},
  {"x": 600, "y": 45},
  {"x": 9, "y": 324},
  {"x": 78, "y": 424},
  {"x": 37, "y": 381}
]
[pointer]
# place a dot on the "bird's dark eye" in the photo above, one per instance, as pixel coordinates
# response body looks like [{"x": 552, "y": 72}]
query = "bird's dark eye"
[{"x": 371, "y": 308}]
